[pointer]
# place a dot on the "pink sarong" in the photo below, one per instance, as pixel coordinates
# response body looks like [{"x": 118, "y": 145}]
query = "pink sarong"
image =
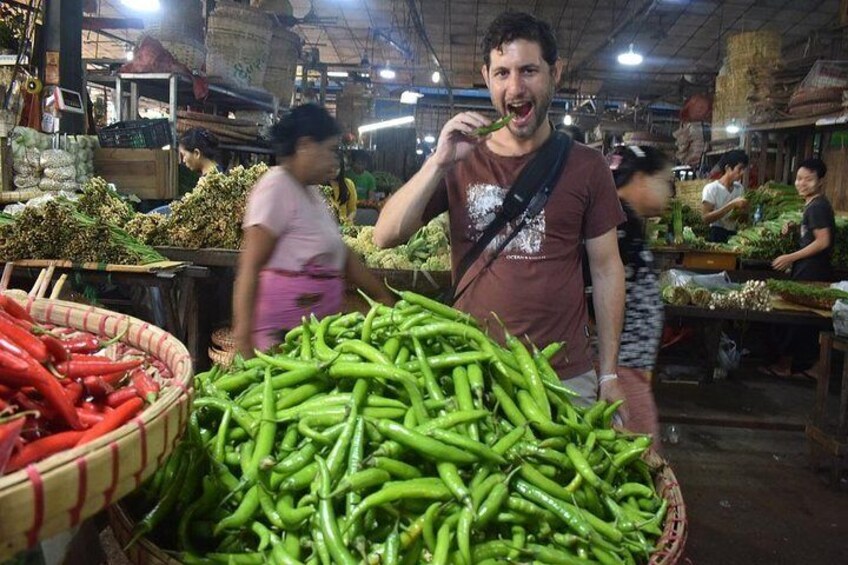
[{"x": 283, "y": 298}]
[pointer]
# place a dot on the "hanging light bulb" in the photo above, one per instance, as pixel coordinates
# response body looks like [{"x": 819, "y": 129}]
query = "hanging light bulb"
[
  {"x": 567, "y": 120},
  {"x": 387, "y": 73},
  {"x": 436, "y": 77},
  {"x": 142, "y": 5},
  {"x": 630, "y": 58},
  {"x": 733, "y": 128},
  {"x": 129, "y": 53}
]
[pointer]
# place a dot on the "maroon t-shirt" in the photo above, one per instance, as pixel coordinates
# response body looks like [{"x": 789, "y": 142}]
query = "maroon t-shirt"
[{"x": 536, "y": 284}]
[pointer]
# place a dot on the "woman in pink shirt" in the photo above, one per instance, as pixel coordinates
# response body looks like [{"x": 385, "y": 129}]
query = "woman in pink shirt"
[{"x": 293, "y": 262}]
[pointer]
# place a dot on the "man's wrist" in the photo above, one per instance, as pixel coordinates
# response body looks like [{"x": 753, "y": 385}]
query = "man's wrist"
[{"x": 607, "y": 377}]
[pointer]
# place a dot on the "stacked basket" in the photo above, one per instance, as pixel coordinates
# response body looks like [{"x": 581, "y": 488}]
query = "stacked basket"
[
  {"x": 180, "y": 31},
  {"x": 745, "y": 79},
  {"x": 282, "y": 67},
  {"x": 60, "y": 491},
  {"x": 223, "y": 348},
  {"x": 238, "y": 40}
]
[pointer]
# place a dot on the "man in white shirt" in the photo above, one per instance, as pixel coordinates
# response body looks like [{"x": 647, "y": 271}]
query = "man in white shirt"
[{"x": 724, "y": 195}]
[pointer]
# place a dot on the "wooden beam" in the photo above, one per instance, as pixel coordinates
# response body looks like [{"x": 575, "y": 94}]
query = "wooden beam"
[{"x": 98, "y": 24}]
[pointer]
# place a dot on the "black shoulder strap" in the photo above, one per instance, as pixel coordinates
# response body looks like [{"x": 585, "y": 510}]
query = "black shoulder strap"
[{"x": 529, "y": 193}]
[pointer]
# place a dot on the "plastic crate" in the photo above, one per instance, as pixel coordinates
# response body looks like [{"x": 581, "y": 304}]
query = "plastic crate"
[{"x": 137, "y": 134}]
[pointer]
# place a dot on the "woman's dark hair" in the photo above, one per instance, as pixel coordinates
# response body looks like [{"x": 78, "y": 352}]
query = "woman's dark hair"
[
  {"x": 510, "y": 26},
  {"x": 201, "y": 139},
  {"x": 732, "y": 158},
  {"x": 815, "y": 165},
  {"x": 628, "y": 160},
  {"x": 341, "y": 180},
  {"x": 308, "y": 120}
]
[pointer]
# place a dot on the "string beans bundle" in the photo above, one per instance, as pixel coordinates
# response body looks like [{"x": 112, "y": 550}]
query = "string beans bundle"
[{"x": 406, "y": 435}]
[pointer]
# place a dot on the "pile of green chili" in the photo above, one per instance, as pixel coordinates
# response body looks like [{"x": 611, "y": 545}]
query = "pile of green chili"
[{"x": 406, "y": 435}]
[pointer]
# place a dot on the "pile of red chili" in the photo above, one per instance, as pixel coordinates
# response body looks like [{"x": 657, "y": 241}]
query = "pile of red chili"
[{"x": 58, "y": 388}]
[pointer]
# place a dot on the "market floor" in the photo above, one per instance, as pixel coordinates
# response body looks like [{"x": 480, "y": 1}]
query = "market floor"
[{"x": 751, "y": 497}]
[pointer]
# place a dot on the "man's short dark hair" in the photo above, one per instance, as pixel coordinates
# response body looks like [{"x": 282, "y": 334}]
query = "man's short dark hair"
[
  {"x": 509, "y": 26},
  {"x": 815, "y": 165},
  {"x": 733, "y": 158}
]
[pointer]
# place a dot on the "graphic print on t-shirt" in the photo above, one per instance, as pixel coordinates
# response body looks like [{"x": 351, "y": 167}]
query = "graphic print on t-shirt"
[{"x": 484, "y": 202}]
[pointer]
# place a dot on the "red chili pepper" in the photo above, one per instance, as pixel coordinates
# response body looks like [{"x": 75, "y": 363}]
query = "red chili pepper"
[
  {"x": 91, "y": 407},
  {"x": 73, "y": 390},
  {"x": 77, "y": 368},
  {"x": 114, "y": 379},
  {"x": 10, "y": 431},
  {"x": 90, "y": 419},
  {"x": 11, "y": 362},
  {"x": 44, "y": 447},
  {"x": 12, "y": 307},
  {"x": 113, "y": 420},
  {"x": 96, "y": 387},
  {"x": 5, "y": 391},
  {"x": 91, "y": 358},
  {"x": 146, "y": 386},
  {"x": 121, "y": 396},
  {"x": 85, "y": 343},
  {"x": 23, "y": 338},
  {"x": 47, "y": 385},
  {"x": 57, "y": 351},
  {"x": 27, "y": 403}
]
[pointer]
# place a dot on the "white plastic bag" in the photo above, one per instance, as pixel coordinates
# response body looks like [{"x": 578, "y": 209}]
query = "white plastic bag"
[
  {"x": 729, "y": 356},
  {"x": 840, "y": 318}
]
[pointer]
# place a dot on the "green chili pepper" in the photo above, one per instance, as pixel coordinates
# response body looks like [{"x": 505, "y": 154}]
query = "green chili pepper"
[
  {"x": 429, "y": 378},
  {"x": 327, "y": 519},
  {"x": 584, "y": 469},
  {"x": 463, "y": 533},
  {"x": 396, "y": 468},
  {"x": 429, "y": 489},
  {"x": 476, "y": 448},
  {"x": 494, "y": 126}
]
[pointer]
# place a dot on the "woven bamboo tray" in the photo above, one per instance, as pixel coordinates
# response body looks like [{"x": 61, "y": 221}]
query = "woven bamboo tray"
[
  {"x": 59, "y": 492},
  {"x": 669, "y": 550}
]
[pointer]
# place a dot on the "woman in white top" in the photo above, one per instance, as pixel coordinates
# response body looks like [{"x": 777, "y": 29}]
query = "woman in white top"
[{"x": 724, "y": 195}]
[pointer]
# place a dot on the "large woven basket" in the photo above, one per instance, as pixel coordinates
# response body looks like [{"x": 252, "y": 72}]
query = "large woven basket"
[
  {"x": 57, "y": 493},
  {"x": 238, "y": 40},
  {"x": 671, "y": 544},
  {"x": 669, "y": 547},
  {"x": 282, "y": 64}
]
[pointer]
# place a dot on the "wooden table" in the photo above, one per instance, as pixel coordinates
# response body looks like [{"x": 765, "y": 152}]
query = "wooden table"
[
  {"x": 825, "y": 439},
  {"x": 712, "y": 321}
]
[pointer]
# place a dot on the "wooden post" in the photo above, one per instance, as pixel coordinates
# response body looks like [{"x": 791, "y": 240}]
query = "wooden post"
[
  {"x": 5, "y": 165},
  {"x": 763, "y": 162},
  {"x": 843, "y": 12},
  {"x": 778, "y": 160}
]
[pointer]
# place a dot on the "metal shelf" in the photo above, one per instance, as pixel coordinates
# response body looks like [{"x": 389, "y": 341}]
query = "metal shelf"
[
  {"x": 221, "y": 98},
  {"x": 816, "y": 121},
  {"x": 246, "y": 148}
]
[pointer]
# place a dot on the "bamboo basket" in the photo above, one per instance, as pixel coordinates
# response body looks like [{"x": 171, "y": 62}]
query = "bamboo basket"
[
  {"x": 189, "y": 52},
  {"x": 690, "y": 192},
  {"x": 238, "y": 41},
  {"x": 223, "y": 338},
  {"x": 14, "y": 196},
  {"x": 669, "y": 547},
  {"x": 179, "y": 19},
  {"x": 753, "y": 48},
  {"x": 59, "y": 492},
  {"x": 282, "y": 64}
]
